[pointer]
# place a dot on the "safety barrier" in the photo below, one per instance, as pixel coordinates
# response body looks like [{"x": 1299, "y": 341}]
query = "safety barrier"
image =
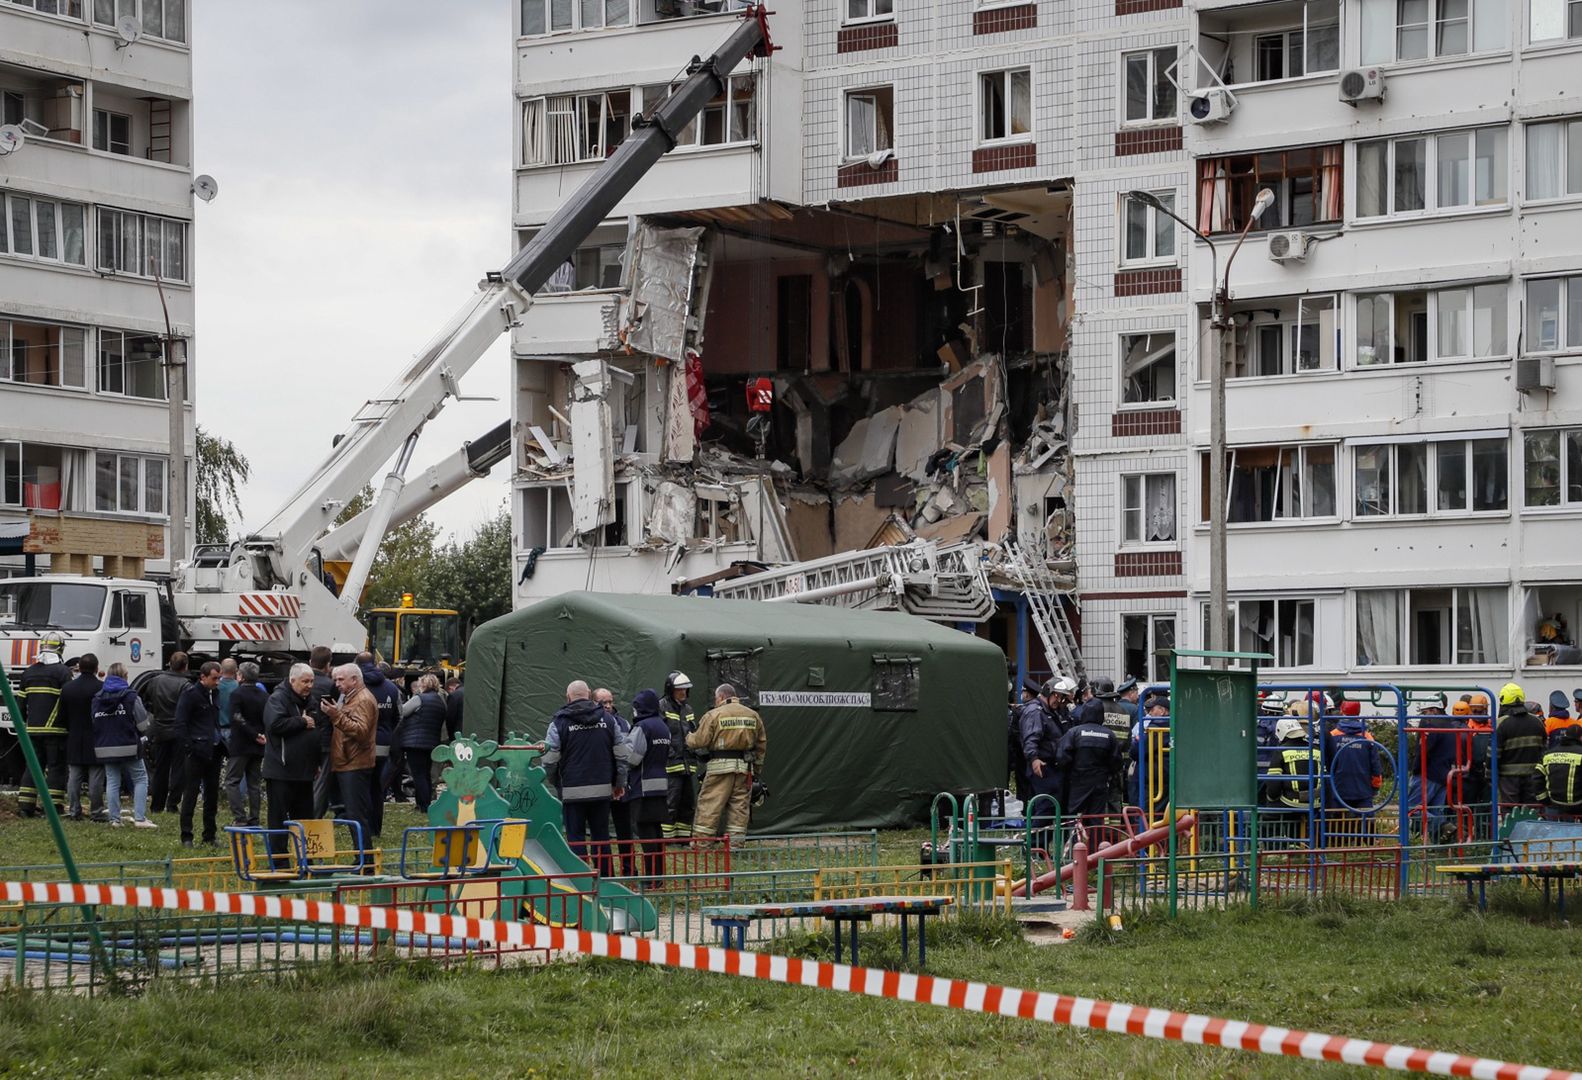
[{"x": 1044, "y": 1006}]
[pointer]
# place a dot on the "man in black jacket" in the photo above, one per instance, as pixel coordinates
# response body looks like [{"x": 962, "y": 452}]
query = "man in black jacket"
[
  {"x": 325, "y": 792},
  {"x": 246, "y": 746},
  {"x": 197, "y": 727},
  {"x": 160, "y": 694},
  {"x": 1519, "y": 740},
  {"x": 291, "y": 749},
  {"x": 82, "y": 762}
]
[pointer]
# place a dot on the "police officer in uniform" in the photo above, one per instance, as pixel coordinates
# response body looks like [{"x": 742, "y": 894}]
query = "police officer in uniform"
[
  {"x": 681, "y": 766},
  {"x": 42, "y": 683},
  {"x": 1089, "y": 755},
  {"x": 648, "y": 751},
  {"x": 1044, "y": 721}
]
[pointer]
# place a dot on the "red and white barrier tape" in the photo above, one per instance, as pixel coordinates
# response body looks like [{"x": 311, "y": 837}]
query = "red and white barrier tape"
[{"x": 1076, "y": 1012}]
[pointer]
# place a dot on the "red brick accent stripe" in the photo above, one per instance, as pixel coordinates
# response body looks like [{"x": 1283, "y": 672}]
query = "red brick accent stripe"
[
  {"x": 1147, "y": 282},
  {"x": 1147, "y": 563},
  {"x": 859, "y": 173},
  {"x": 1145, "y": 422},
  {"x": 1002, "y": 20},
  {"x": 995, "y": 158},
  {"x": 1040, "y": 1005},
  {"x": 1139, "y": 7},
  {"x": 883, "y": 35},
  {"x": 1136, "y": 594},
  {"x": 1157, "y": 140}
]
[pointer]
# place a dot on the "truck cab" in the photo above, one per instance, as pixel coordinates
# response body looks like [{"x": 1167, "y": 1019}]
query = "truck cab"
[
  {"x": 113, "y": 618},
  {"x": 414, "y": 639}
]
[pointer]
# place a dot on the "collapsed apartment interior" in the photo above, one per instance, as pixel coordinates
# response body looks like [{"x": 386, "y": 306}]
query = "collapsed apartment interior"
[{"x": 891, "y": 372}]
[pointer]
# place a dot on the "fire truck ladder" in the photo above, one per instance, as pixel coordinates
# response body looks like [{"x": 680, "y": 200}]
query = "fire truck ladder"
[{"x": 1045, "y": 604}]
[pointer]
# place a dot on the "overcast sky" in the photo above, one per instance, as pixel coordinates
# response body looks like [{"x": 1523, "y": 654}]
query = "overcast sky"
[{"x": 362, "y": 149}]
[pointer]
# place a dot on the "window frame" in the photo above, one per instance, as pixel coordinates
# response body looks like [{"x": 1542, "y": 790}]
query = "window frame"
[
  {"x": 1434, "y": 19},
  {"x": 117, "y": 237},
  {"x": 1431, "y": 479},
  {"x": 1570, "y": 15},
  {"x": 1174, "y": 400},
  {"x": 110, "y": 116},
  {"x": 690, "y": 139},
  {"x": 1006, "y": 77},
  {"x": 1233, "y": 613},
  {"x": 1217, "y": 181},
  {"x": 1431, "y": 178},
  {"x": 1304, "y": 33},
  {"x": 145, "y": 462},
  {"x": 1151, "y": 621},
  {"x": 60, "y": 232},
  {"x": 66, "y": 16},
  {"x": 1404, "y": 627},
  {"x": 860, "y": 92},
  {"x": 1569, "y": 132},
  {"x": 1564, "y": 331},
  {"x": 1151, "y": 87},
  {"x": 1152, "y": 219},
  {"x": 1565, "y": 481},
  {"x": 1305, "y": 516},
  {"x": 102, "y": 338},
  {"x": 1143, "y": 481},
  {"x": 8, "y": 372},
  {"x": 139, "y": 9},
  {"x": 576, "y": 26},
  {"x": 874, "y": 15},
  {"x": 1434, "y": 301}
]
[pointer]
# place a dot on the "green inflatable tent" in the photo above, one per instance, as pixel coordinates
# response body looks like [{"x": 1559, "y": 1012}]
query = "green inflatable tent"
[{"x": 868, "y": 714}]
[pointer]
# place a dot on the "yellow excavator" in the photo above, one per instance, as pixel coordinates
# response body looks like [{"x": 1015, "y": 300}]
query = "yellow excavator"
[{"x": 415, "y": 639}]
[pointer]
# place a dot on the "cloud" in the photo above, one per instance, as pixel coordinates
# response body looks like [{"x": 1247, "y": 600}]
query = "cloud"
[{"x": 363, "y": 154}]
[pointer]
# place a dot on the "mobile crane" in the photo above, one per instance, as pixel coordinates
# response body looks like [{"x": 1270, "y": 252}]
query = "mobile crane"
[{"x": 271, "y": 595}]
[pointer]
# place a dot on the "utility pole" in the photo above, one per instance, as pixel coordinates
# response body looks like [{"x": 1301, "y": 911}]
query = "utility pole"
[{"x": 176, "y": 409}]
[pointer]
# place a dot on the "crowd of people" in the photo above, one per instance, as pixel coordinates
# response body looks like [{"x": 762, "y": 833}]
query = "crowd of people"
[
  {"x": 1081, "y": 746},
  {"x": 660, "y": 773},
  {"x": 328, "y": 741}
]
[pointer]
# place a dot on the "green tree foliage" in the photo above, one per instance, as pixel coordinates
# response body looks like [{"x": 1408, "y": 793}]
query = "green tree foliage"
[{"x": 221, "y": 469}]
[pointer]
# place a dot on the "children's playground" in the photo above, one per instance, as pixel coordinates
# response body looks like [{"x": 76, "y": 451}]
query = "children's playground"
[{"x": 1237, "y": 916}]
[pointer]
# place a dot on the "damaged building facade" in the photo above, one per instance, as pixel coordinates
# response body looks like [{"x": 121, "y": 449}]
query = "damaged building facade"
[{"x": 909, "y": 229}]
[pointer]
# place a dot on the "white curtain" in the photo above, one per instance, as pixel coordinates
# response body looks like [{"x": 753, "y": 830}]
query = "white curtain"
[
  {"x": 1378, "y": 627},
  {"x": 1161, "y": 508},
  {"x": 1483, "y": 615},
  {"x": 861, "y": 126},
  {"x": 534, "y": 147},
  {"x": 1543, "y": 161}
]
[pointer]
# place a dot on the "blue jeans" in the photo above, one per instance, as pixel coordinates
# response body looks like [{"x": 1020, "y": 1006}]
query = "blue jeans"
[
  {"x": 1436, "y": 800},
  {"x": 129, "y": 771}
]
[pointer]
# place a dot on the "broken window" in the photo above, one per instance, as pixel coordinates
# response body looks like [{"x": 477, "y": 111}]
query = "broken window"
[
  {"x": 43, "y": 354},
  {"x": 43, "y": 229},
  {"x": 1257, "y": 43},
  {"x": 1150, "y": 236},
  {"x": 738, "y": 667},
  {"x": 1146, "y": 643},
  {"x": 33, "y": 97},
  {"x": 1462, "y": 625},
  {"x": 1148, "y": 508},
  {"x": 1553, "y": 467},
  {"x": 897, "y": 683},
  {"x": 1283, "y": 336},
  {"x": 567, "y": 128},
  {"x": 870, "y": 120},
  {"x": 1150, "y": 89},
  {"x": 1006, "y": 100},
  {"x": 719, "y": 516},
  {"x": 39, "y": 477},
  {"x": 1148, "y": 368},
  {"x": 1276, "y": 483},
  {"x": 729, "y": 117},
  {"x": 546, "y": 517},
  {"x": 1283, "y": 628},
  {"x": 1550, "y": 614},
  {"x": 112, "y": 131},
  {"x": 1306, "y": 184}
]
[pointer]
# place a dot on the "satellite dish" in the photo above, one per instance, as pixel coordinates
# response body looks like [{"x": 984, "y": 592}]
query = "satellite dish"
[
  {"x": 205, "y": 187},
  {"x": 11, "y": 138},
  {"x": 129, "y": 30}
]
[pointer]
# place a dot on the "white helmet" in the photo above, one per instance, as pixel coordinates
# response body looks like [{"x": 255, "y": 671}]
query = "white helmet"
[
  {"x": 1066, "y": 685},
  {"x": 678, "y": 681},
  {"x": 1288, "y": 727}
]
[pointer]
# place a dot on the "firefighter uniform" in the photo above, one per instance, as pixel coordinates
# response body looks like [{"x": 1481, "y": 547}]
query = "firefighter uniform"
[
  {"x": 1562, "y": 771},
  {"x": 733, "y": 737},
  {"x": 681, "y": 765},
  {"x": 41, "y": 685},
  {"x": 1519, "y": 741}
]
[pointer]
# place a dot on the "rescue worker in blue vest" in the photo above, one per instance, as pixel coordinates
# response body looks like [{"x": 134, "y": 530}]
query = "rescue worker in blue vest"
[
  {"x": 1562, "y": 771},
  {"x": 1088, "y": 756},
  {"x": 1440, "y": 735},
  {"x": 1355, "y": 768},
  {"x": 1044, "y": 722},
  {"x": 681, "y": 768},
  {"x": 584, "y": 759},
  {"x": 1292, "y": 755},
  {"x": 1519, "y": 742},
  {"x": 39, "y": 695},
  {"x": 647, "y": 752},
  {"x": 625, "y": 845}
]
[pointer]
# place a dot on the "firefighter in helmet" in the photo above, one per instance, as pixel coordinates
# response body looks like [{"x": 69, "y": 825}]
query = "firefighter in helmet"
[
  {"x": 681, "y": 766},
  {"x": 41, "y": 685}
]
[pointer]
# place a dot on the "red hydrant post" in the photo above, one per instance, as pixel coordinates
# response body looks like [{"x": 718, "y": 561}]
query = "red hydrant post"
[{"x": 1079, "y": 876}]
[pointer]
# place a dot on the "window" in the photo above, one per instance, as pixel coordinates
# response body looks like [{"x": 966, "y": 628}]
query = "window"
[
  {"x": 1411, "y": 327},
  {"x": 1280, "y": 336},
  {"x": 1462, "y": 625},
  {"x": 1423, "y": 29},
  {"x": 142, "y": 244},
  {"x": 72, "y": 9},
  {"x": 897, "y": 682},
  {"x": 1148, "y": 508},
  {"x": 870, "y": 121},
  {"x": 1276, "y": 483},
  {"x": 1146, "y": 641},
  {"x": 131, "y": 364},
  {"x": 730, "y": 117},
  {"x": 1150, "y": 235},
  {"x": 1306, "y": 184},
  {"x": 42, "y": 354},
  {"x": 38, "y": 477},
  {"x": 128, "y": 484},
  {"x": 1554, "y": 314},
  {"x": 42, "y": 229},
  {"x": 1150, "y": 85},
  {"x": 1554, "y": 158},
  {"x": 1006, "y": 101},
  {"x": 1148, "y": 368},
  {"x": 1282, "y": 628},
  {"x": 1552, "y": 467},
  {"x": 1554, "y": 20},
  {"x": 1442, "y": 476},
  {"x": 112, "y": 131},
  {"x": 864, "y": 10},
  {"x": 160, "y": 18},
  {"x": 1308, "y": 45},
  {"x": 1393, "y": 175},
  {"x": 543, "y": 16},
  {"x": 568, "y": 128},
  {"x": 128, "y": 610}
]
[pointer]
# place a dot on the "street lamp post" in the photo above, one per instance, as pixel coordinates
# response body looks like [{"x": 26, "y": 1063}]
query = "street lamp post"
[{"x": 1219, "y": 322}]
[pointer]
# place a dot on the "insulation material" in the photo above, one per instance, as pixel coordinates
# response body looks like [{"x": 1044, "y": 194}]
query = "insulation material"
[
  {"x": 917, "y": 436},
  {"x": 1000, "y": 493},
  {"x": 869, "y": 450},
  {"x": 857, "y": 519},
  {"x": 663, "y": 308},
  {"x": 673, "y": 510},
  {"x": 807, "y": 521},
  {"x": 681, "y": 441},
  {"x": 592, "y": 461}
]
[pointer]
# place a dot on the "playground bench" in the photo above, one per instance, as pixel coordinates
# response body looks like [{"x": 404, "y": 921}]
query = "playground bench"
[
  {"x": 737, "y": 917},
  {"x": 1549, "y": 851}
]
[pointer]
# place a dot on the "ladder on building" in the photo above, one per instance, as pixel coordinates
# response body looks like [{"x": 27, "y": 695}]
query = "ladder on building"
[
  {"x": 161, "y": 129},
  {"x": 1045, "y": 604}
]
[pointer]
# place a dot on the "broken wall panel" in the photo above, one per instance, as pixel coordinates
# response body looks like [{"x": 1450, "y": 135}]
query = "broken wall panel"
[{"x": 662, "y": 315}]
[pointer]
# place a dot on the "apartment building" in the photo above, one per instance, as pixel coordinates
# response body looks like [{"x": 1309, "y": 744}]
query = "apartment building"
[
  {"x": 1403, "y": 399},
  {"x": 95, "y": 224}
]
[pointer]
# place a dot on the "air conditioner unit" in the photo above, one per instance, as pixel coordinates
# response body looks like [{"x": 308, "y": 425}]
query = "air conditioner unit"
[
  {"x": 1288, "y": 246},
  {"x": 1535, "y": 373},
  {"x": 1363, "y": 84},
  {"x": 1212, "y": 106}
]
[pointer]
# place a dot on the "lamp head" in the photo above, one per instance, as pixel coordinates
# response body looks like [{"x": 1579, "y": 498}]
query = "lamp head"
[
  {"x": 1148, "y": 198},
  {"x": 1264, "y": 200}
]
